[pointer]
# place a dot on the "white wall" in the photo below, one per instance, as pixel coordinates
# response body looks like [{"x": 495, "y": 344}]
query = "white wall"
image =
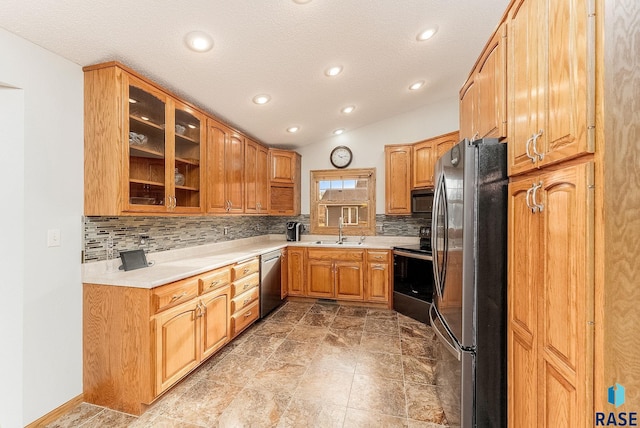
[
  {"x": 367, "y": 143},
  {"x": 11, "y": 254},
  {"x": 53, "y": 199}
]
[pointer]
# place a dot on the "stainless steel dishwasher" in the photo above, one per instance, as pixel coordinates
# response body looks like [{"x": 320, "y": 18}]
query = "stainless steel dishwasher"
[{"x": 270, "y": 292}]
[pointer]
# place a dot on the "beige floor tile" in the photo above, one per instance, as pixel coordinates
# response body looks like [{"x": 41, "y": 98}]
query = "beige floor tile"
[
  {"x": 341, "y": 322},
  {"x": 343, "y": 338},
  {"x": 255, "y": 409},
  {"x": 110, "y": 419},
  {"x": 419, "y": 370},
  {"x": 318, "y": 319},
  {"x": 273, "y": 329},
  {"x": 375, "y": 342},
  {"x": 295, "y": 352},
  {"x": 277, "y": 376},
  {"x": 329, "y": 357},
  {"x": 365, "y": 418},
  {"x": 235, "y": 369},
  {"x": 312, "y": 414},
  {"x": 150, "y": 420},
  {"x": 325, "y": 385},
  {"x": 258, "y": 346},
  {"x": 288, "y": 316},
  {"x": 423, "y": 403},
  {"x": 75, "y": 417},
  {"x": 382, "y": 314},
  {"x": 325, "y": 308},
  {"x": 380, "y": 365},
  {"x": 384, "y": 326},
  {"x": 379, "y": 395},
  {"x": 353, "y": 311},
  {"x": 305, "y": 333}
]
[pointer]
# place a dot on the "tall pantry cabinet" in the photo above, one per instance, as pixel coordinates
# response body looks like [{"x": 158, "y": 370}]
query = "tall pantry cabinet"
[{"x": 550, "y": 107}]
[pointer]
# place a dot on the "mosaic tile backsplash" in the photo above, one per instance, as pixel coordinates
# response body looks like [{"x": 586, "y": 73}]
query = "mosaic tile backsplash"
[{"x": 169, "y": 233}]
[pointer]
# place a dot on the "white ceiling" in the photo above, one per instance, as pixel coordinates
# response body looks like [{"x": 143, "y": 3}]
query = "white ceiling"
[{"x": 276, "y": 47}]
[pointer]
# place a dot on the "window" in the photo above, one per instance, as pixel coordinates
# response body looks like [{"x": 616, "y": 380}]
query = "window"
[{"x": 346, "y": 196}]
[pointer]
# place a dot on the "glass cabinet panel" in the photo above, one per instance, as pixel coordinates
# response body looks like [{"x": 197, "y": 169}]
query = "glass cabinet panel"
[
  {"x": 188, "y": 131},
  {"x": 146, "y": 148}
]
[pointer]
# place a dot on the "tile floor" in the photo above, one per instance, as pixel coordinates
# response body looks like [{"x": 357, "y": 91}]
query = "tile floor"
[{"x": 306, "y": 365}]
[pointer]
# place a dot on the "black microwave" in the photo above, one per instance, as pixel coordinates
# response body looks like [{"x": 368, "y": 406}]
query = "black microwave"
[{"x": 421, "y": 202}]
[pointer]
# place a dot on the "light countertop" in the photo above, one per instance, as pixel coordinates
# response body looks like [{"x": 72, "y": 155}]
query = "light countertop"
[{"x": 173, "y": 265}]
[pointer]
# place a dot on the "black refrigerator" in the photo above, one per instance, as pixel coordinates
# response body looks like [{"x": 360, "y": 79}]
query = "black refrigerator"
[{"x": 469, "y": 311}]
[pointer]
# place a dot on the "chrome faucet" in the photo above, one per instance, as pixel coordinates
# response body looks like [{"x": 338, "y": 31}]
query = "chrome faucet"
[{"x": 340, "y": 238}]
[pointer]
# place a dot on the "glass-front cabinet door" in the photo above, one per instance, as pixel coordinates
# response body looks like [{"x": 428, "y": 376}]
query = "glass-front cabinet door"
[
  {"x": 147, "y": 186},
  {"x": 164, "y": 152},
  {"x": 189, "y": 135}
]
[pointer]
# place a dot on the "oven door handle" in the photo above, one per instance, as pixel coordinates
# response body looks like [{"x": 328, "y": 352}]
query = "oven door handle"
[{"x": 412, "y": 255}]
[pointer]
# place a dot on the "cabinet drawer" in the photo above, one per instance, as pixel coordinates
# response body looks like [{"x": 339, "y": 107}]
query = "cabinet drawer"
[
  {"x": 378, "y": 256},
  {"x": 244, "y": 318},
  {"x": 329, "y": 254},
  {"x": 214, "y": 279},
  {"x": 245, "y": 299},
  {"x": 240, "y": 286},
  {"x": 169, "y": 295},
  {"x": 245, "y": 269}
]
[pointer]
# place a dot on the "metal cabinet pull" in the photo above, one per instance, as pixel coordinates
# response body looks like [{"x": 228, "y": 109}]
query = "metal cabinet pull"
[
  {"x": 377, "y": 267},
  {"x": 535, "y": 145},
  {"x": 178, "y": 296},
  {"x": 247, "y": 315},
  {"x": 539, "y": 206},
  {"x": 529, "y": 155},
  {"x": 532, "y": 207},
  {"x": 214, "y": 283}
]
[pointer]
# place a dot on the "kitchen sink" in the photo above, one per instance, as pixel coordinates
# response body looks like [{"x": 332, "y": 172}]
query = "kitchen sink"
[{"x": 343, "y": 244}]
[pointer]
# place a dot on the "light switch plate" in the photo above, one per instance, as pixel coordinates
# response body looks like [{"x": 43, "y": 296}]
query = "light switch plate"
[{"x": 53, "y": 238}]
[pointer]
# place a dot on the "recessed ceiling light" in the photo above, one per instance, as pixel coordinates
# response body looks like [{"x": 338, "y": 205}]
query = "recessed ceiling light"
[
  {"x": 261, "y": 99},
  {"x": 348, "y": 109},
  {"x": 338, "y": 131},
  {"x": 333, "y": 71},
  {"x": 293, "y": 129},
  {"x": 426, "y": 34},
  {"x": 198, "y": 41},
  {"x": 301, "y": 1},
  {"x": 416, "y": 85}
]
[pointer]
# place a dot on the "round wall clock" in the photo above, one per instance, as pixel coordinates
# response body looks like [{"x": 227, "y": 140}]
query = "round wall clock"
[{"x": 341, "y": 157}]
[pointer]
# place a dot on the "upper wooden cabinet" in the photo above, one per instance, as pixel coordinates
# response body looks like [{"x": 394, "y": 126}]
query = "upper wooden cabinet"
[
  {"x": 397, "y": 181},
  {"x": 256, "y": 179},
  {"x": 550, "y": 94},
  {"x": 425, "y": 155},
  {"x": 483, "y": 105},
  {"x": 143, "y": 147},
  {"x": 284, "y": 182},
  {"x": 225, "y": 168}
]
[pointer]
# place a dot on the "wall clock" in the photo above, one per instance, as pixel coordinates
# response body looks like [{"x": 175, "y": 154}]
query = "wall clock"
[{"x": 341, "y": 157}]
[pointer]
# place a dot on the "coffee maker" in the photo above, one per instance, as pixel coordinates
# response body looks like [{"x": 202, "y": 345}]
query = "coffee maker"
[{"x": 294, "y": 230}]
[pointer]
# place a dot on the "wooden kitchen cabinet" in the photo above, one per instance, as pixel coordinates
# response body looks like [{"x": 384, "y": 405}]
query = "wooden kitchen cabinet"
[
  {"x": 245, "y": 297},
  {"x": 139, "y": 342},
  {"x": 296, "y": 271},
  {"x": 483, "y": 107},
  {"x": 335, "y": 273},
  {"x": 284, "y": 182},
  {"x": 425, "y": 155},
  {"x": 551, "y": 298},
  {"x": 143, "y": 146},
  {"x": 256, "y": 179},
  {"x": 550, "y": 94},
  {"x": 378, "y": 280},
  {"x": 225, "y": 165},
  {"x": 398, "y": 179}
]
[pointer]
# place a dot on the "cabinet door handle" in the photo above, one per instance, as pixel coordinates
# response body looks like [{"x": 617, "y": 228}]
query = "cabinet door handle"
[
  {"x": 475, "y": 136},
  {"x": 529, "y": 155},
  {"x": 378, "y": 267},
  {"x": 214, "y": 283},
  {"x": 535, "y": 145},
  {"x": 246, "y": 301},
  {"x": 178, "y": 296},
  {"x": 540, "y": 207},
  {"x": 245, "y": 271},
  {"x": 247, "y": 315},
  {"x": 528, "y": 199},
  {"x": 246, "y": 286}
]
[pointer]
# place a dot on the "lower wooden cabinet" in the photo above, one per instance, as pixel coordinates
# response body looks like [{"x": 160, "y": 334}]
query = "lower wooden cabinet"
[
  {"x": 139, "y": 342},
  {"x": 346, "y": 275},
  {"x": 378, "y": 281},
  {"x": 245, "y": 295},
  {"x": 551, "y": 298}
]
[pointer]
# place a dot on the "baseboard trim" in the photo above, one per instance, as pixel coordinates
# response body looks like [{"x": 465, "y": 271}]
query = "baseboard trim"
[{"x": 56, "y": 413}]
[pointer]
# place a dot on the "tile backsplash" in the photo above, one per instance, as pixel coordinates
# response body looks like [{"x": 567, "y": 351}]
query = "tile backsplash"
[{"x": 168, "y": 233}]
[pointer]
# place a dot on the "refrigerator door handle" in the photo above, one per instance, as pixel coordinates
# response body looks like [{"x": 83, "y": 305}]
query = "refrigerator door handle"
[
  {"x": 448, "y": 341},
  {"x": 440, "y": 253}
]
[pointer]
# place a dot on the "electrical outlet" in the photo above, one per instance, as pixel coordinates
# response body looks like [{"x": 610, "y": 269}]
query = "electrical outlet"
[
  {"x": 142, "y": 239},
  {"x": 53, "y": 238}
]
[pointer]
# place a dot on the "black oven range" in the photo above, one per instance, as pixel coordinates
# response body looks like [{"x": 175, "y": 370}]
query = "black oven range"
[{"x": 413, "y": 281}]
